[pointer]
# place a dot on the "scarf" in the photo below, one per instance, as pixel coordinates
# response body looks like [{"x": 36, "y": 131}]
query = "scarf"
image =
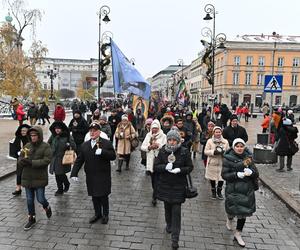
[{"x": 170, "y": 148}]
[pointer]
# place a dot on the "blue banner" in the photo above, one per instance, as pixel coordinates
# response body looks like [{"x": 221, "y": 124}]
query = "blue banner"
[{"x": 125, "y": 77}]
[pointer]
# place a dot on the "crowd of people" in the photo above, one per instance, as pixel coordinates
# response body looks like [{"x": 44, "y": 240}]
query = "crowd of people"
[{"x": 170, "y": 140}]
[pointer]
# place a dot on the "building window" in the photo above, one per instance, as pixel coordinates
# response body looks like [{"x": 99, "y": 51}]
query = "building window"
[
  {"x": 260, "y": 78},
  {"x": 237, "y": 60},
  {"x": 280, "y": 62},
  {"x": 261, "y": 61},
  {"x": 236, "y": 78},
  {"x": 294, "y": 79},
  {"x": 45, "y": 85},
  {"x": 296, "y": 62},
  {"x": 248, "y": 79},
  {"x": 249, "y": 60}
]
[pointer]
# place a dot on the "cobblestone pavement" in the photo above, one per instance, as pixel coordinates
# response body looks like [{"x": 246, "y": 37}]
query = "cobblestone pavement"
[{"x": 135, "y": 224}]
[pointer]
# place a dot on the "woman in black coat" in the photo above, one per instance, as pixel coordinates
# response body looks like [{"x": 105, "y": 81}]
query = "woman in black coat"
[
  {"x": 19, "y": 142},
  {"x": 286, "y": 145},
  {"x": 96, "y": 155},
  {"x": 60, "y": 141},
  {"x": 172, "y": 164},
  {"x": 79, "y": 128},
  {"x": 240, "y": 175}
]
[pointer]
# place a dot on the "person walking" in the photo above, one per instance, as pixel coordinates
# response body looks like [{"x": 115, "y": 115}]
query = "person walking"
[
  {"x": 79, "y": 128},
  {"x": 20, "y": 141},
  {"x": 214, "y": 149},
  {"x": 153, "y": 142},
  {"x": 32, "y": 113},
  {"x": 172, "y": 164},
  {"x": 266, "y": 122},
  {"x": 140, "y": 120},
  {"x": 44, "y": 113},
  {"x": 113, "y": 121},
  {"x": 104, "y": 125},
  {"x": 60, "y": 141},
  {"x": 125, "y": 133},
  {"x": 142, "y": 136},
  {"x": 286, "y": 145},
  {"x": 34, "y": 159},
  {"x": 196, "y": 141},
  {"x": 59, "y": 113},
  {"x": 240, "y": 174},
  {"x": 205, "y": 135},
  {"x": 96, "y": 155},
  {"x": 234, "y": 130}
]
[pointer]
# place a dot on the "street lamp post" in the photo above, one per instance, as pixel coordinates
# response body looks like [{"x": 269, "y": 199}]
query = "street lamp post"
[
  {"x": 216, "y": 41},
  {"x": 104, "y": 11},
  {"x": 181, "y": 63},
  {"x": 132, "y": 61},
  {"x": 52, "y": 73}
]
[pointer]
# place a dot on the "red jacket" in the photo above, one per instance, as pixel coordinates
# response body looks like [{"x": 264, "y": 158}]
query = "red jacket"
[
  {"x": 266, "y": 122},
  {"x": 20, "y": 113},
  {"x": 59, "y": 113},
  {"x": 245, "y": 110}
]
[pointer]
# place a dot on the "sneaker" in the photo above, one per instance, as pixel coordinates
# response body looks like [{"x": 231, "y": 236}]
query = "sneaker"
[
  {"x": 17, "y": 192},
  {"x": 289, "y": 169},
  {"x": 30, "y": 223},
  {"x": 239, "y": 239},
  {"x": 229, "y": 224},
  {"x": 94, "y": 219},
  {"x": 48, "y": 212}
]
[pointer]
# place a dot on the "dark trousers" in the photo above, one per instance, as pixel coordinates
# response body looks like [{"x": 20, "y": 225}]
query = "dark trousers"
[
  {"x": 19, "y": 179},
  {"x": 40, "y": 196},
  {"x": 101, "y": 205},
  {"x": 264, "y": 130},
  {"x": 288, "y": 162},
  {"x": 173, "y": 219},
  {"x": 61, "y": 181},
  {"x": 154, "y": 178},
  {"x": 240, "y": 223},
  {"x": 213, "y": 184}
]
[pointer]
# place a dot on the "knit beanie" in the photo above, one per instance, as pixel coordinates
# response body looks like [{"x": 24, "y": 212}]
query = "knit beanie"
[
  {"x": 233, "y": 117},
  {"x": 173, "y": 134},
  {"x": 238, "y": 140}
]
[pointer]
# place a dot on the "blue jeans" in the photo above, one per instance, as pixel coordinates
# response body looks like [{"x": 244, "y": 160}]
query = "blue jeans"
[{"x": 40, "y": 196}]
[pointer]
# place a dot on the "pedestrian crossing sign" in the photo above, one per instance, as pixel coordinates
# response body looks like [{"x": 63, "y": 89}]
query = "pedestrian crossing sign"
[{"x": 273, "y": 84}]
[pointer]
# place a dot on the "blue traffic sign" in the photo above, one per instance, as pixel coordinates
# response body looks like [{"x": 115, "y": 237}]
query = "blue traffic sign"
[{"x": 273, "y": 84}]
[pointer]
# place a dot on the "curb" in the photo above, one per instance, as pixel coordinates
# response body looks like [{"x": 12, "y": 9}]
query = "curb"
[
  {"x": 7, "y": 175},
  {"x": 284, "y": 196}
]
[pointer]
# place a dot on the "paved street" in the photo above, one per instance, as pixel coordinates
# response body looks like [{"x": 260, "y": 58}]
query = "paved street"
[{"x": 135, "y": 224}]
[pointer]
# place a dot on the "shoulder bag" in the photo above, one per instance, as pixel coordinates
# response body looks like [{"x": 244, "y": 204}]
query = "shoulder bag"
[{"x": 190, "y": 191}]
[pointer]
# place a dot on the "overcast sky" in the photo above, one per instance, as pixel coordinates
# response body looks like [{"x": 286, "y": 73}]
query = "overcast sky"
[{"x": 155, "y": 32}]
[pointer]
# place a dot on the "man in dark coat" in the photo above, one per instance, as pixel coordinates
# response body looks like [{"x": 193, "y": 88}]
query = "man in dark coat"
[
  {"x": 34, "y": 159},
  {"x": 79, "y": 128},
  {"x": 32, "y": 113},
  {"x": 234, "y": 131},
  {"x": 113, "y": 121},
  {"x": 184, "y": 133},
  {"x": 44, "y": 113},
  {"x": 96, "y": 154}
]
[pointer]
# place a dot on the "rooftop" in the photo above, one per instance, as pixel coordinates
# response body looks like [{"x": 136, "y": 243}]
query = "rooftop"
[{"x": 267, "y": 38}]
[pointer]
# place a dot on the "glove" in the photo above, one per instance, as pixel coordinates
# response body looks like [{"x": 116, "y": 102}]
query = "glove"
[
  {"x": 25, "y": 162},
  {"x": 175, "y": 171},
  {"x": 241, "y": 175},
  {"x": 216, "y": 152},
  {"x": 247, "y": 162},
  {"x": 75, "y": 179},
  {"x": 248, "y": 171},
  {"x": 98, "y": 151},
  {"x": 169, "y": 166}
]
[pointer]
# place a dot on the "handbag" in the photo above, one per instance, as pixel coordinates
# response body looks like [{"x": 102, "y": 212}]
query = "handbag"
[
  {"x": 190, "y": 191},
  {"x": 69, "y": 157},
  {"x": 134, "y": 142}
]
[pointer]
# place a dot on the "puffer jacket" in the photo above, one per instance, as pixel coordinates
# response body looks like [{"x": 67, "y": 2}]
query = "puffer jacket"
[
  {"x": 239, "y": 193},
  {"x": 171, "y": 187},
  {"x": 59, "y": 145},
  {"x": 36, "y": 175},
  {"x": 286, "y": 140}
]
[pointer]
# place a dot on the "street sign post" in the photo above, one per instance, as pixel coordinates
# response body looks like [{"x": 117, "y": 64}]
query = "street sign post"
[{"x": 273, "y": 84}]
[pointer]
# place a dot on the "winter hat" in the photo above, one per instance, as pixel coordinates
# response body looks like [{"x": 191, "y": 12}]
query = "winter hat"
[
  {"x": 149, "y": 121},
  {"x": 290, "y": 111},
  {"x": 173, "y": 134},
  {"x": 97, "y": 111},
  {"x": 103, "y": 117},
  {"x": 217, "y": 127},
  {"x": 155, "y": 124},
  {"x": 125, "y": 117},
  {"x": 233, "y": 117},
  {"x": 238, "y": 140},
  {"x": 287, "y": 122}
]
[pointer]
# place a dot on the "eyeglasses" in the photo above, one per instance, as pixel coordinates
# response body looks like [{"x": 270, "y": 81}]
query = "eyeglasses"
[{"x": 33, "y": 135}]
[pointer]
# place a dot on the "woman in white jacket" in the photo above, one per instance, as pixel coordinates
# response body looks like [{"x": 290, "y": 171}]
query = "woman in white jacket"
[
  {"x": 152, "y": 143},
  {"x": 214, "y": 149}
]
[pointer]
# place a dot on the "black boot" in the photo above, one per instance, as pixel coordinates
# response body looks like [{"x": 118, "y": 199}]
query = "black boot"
[
  {"x": 48, "y": 212},
  {"x": 127, "y": 166},
  {"x": 120, "y": 162},
  {"x": 17, "y": 192},
  {"x": 175, "y": 244},
  {"x": 30, "y": 223},
  {"x": 67, "y": 186},
  {"x": 213, "y": 194},
  {"x": 219, "y": 194},
  {"x": 194, "y": 155}
]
